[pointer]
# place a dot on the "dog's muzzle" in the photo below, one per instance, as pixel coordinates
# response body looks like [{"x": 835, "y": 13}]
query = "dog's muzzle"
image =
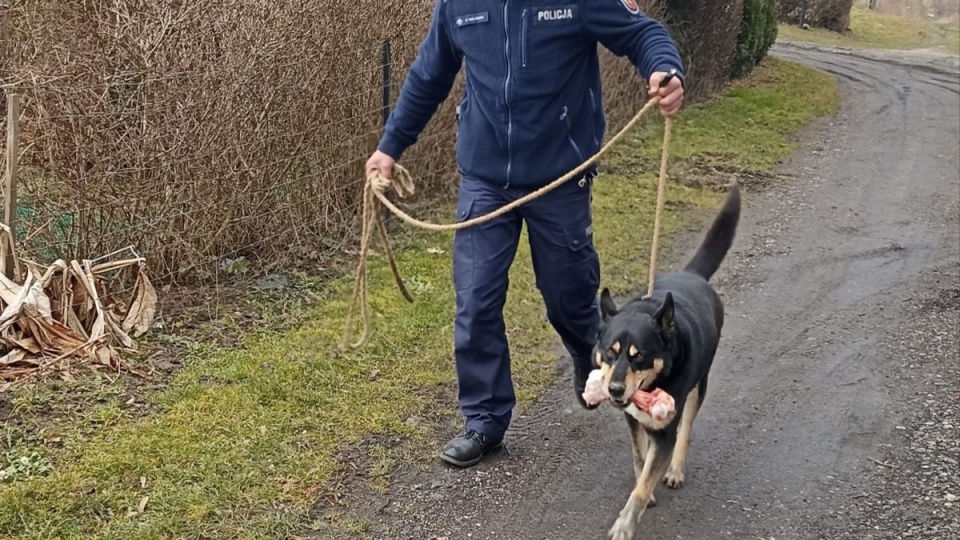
[{"x": 617, "y": 390}]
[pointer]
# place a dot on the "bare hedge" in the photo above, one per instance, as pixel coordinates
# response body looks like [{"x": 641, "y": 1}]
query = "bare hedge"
[
  {"x": 197, "y": 130},
  {"x": 193, "y": 130},
  {"x": 707, "y": 34}
]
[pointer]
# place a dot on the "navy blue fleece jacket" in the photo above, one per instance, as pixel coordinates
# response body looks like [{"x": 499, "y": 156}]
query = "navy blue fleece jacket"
[{"x": 532, "y": 108}]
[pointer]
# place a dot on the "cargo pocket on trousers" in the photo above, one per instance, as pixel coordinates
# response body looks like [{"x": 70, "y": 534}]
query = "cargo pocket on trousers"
[
  {"x": 463, "y": 247},
  {"x": 578, "y": 238},
  {"x": 582, "y": 276}
]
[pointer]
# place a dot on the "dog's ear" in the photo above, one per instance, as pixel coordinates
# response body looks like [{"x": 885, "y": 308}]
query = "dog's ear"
[
  {"x": 665, "y": 315},
  {"x": 607, "y": 307}
]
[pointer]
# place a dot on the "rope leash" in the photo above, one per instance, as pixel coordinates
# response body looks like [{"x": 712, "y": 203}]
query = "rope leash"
[
  {"x": 661, "y": 189},
  {"x": 374, "y": 194}
]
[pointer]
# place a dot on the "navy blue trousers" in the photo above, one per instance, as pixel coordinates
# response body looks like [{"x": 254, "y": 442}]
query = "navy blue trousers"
[{"x": 567, "y": 269}]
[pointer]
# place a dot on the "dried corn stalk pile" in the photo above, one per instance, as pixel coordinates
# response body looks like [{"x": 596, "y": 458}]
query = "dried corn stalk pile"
[{"x": 71, "y": 311}]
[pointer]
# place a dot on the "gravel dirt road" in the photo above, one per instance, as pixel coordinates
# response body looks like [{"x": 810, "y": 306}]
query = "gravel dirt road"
[{"x": 834, "y": 403}]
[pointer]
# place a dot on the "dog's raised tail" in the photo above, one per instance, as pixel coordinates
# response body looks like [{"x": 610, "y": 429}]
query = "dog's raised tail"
[{"x": 706, "y": 261}]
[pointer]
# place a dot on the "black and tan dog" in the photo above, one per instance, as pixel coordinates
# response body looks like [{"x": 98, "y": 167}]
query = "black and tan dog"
[{"x": 667, "y": 341}]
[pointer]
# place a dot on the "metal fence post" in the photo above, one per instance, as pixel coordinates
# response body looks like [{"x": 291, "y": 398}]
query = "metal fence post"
[
  {"x": 386, "y": 81},
  {"x": 803, "y": 14}
]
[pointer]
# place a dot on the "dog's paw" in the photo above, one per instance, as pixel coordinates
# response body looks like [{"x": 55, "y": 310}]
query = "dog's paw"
[
  {"x": 674, "y": 478},
  {"x": 624, "y": 528},
  {"x": 626, "y": 525},
  {"x": 653, "y": 501}
]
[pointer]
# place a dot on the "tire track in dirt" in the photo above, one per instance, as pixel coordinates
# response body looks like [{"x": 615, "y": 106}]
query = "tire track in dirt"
[{"x": 805, "y": 390}]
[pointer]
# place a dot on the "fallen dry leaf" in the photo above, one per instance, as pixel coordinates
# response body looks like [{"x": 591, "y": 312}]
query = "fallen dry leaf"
[
  {"x": 143, "y": 309},
  {"x": 13, "y": 357},
  {"x": 104, "y": 356},
  {"x": 29, "y": 344}
]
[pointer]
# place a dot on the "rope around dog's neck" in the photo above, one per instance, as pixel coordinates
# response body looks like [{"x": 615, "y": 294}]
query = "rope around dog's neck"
[{"x": 374, "y": 192}]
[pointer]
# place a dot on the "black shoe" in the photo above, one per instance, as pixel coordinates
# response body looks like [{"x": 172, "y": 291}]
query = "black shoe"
[
  {"x": 581, "y": 372},
  {"x": 468, "y": 448}
]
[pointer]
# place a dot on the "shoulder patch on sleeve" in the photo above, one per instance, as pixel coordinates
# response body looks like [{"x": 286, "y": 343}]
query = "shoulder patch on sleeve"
[{"x": 631, "y": 6}]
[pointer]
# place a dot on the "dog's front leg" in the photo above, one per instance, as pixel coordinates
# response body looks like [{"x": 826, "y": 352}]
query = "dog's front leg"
[
  {"x": 639, "y": 443},
  {"x": 655, "y": 465},
  {"x": 675, "y": 475}
]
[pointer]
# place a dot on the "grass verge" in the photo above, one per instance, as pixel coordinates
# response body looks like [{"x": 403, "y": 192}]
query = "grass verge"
[
  {"x": 869, "y": 29},
  {"x": 246, "y": 439}
]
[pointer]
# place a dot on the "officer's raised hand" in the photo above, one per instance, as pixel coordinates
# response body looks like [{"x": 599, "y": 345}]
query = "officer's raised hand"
[
  {"x": 382, "y": 163},
  {"x": 671, "y": 93}
]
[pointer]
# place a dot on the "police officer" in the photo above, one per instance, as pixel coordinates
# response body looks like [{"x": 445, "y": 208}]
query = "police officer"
[{"x": 531, "y": 112}]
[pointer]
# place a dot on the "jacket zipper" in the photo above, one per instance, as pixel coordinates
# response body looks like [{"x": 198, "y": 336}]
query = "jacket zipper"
[
  {"x": 506, "y": 91},
  {"x": 459, "y": 116},
  {"x": 593, "y": 109},
  {"x": 573, "y": 143},
  {"x": 523, "y": 40}
]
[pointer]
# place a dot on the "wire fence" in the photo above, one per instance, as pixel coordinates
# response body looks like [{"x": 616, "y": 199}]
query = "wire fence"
[
  {"x": 204, "y": 130},
  {"x": 215, "y": 129}
]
